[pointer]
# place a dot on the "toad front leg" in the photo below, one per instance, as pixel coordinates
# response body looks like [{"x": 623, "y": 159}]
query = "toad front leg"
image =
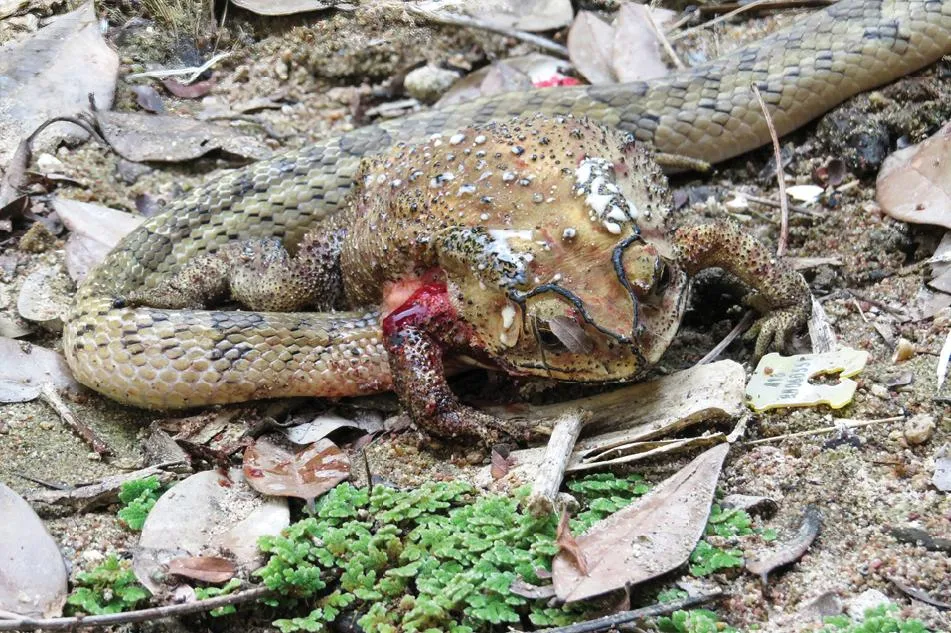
[
  {"x": 416, "y": 336},
  {"x": 781, "y": 292}
]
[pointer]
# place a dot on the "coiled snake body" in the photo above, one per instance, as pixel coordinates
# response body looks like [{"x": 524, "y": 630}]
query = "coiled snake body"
[{"x": 175, "y": 358}]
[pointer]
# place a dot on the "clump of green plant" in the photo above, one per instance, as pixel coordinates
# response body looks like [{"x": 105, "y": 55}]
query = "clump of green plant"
[
  {"x": 108, "y": 588},
  {"x": 203, "y": 593},
  {"x": 438, "y": 557},
  {"x": 693, "y": 621},
  {"x": 880, "y": 619},
  {"x": 725, "y": 523},
  {"x": 138, "y": 498}
]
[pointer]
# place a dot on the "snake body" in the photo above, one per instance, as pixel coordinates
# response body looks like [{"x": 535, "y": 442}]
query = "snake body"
[{"x": 166, "y": 358}]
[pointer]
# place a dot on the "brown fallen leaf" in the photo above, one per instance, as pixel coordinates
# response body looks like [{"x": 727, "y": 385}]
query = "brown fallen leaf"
[
  {"x": 51, "y": 73},
  {"x": 501, "y": 463},
  {"x": 33, "y": 577},
  {"x": 272, "y": 470},
  {"x": 94, "y": 231},
  {"x": 569, "y": 545},
  {"x": 148, "y": 99},
  {"x": 194, "y": 90},
  {"x": 590, "y": 47},
  {"x": 509, "y": 75},
  {"x": 211, "y": 569},
  {"x": 144, "y": 137},
  {"x": 289, "y": 7},
  {"x": 25, "y": 368},
  {"x": 636, "y": 51},
  {"x": 650, "y": 537},
  {"x": 913, "y": 184},
  {"x": 790, "y": 551},
  {"x": 524, "y": 15}
]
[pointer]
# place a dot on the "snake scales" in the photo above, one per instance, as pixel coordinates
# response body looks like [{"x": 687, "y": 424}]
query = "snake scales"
[{"x": 163, "y": 359}]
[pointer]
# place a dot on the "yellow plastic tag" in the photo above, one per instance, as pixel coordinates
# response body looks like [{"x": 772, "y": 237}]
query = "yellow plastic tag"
[{"x": 784, "y": 381}]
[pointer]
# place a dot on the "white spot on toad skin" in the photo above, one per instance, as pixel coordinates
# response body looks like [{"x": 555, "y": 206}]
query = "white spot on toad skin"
[
  {"x": 595, "y": 179},
  {"x": 456, "y": 139},
  {"x": 508, "y": 316},
  {"x": 484, "y": 217},
  {"x": 479, "y": 140},
  {"x": 569, "y": 233},
  {"x": 508, "y": 176},
  {"x": 466, "y": 189},
  {"x": 439, "y": 179}
]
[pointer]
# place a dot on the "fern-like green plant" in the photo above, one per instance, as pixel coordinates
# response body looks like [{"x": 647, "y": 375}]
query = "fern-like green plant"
[{"x": 110, "y": 587}]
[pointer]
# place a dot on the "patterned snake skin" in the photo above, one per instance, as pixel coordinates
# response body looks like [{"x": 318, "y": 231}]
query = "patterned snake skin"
[{"x": 163, "y": 359}]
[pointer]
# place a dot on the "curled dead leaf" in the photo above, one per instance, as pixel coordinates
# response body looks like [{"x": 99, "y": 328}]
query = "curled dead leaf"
[
  {"x": 211, "y": 569},
  {"x": 272, "y": 470}
]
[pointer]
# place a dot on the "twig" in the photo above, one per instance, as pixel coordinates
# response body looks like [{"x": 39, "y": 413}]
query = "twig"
[
  {"x": 718, "y": 19},
  {"x": 740, "y": 327},
  {"x": 610, "y": 621},
  {"x": 775, "y": 5},
  {"x": 767, "y": 202},
  {"x": 49, "y": 395},
  {"x": 662, "y": 38},
  {"x": 142, "y": 615},
  {"x": 194, "y": 72},
  {"x": 780, "y": 176},
  {"x": 457, "y": 19},
  {"x": 557, "y": 453},
  {"x": 876, "y": 303},
  {"x": 943, "y": 358},
  {"x": 847, "y": 424}
]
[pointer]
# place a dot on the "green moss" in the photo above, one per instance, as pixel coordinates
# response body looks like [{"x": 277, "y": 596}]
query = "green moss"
[
  {"x": 440, "y": 557},
  {"x": 694, "y": 621},
  {"x": 109, "y": 588},
  {"x": 880, "y": 619},
  {"x": 139, "y": 497}
]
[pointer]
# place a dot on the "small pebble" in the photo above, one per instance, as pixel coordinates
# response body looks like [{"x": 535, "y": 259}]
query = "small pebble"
[
  {"x": 429, "y": 82},
  {"x": 879, "y": 391},
  {"x": 918, "y": 429}
]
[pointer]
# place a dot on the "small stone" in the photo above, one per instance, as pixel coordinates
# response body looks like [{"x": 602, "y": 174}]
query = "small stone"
[
  {"x": 918, "y": 429},
  {"x": 47, "y": 163},
  {"x": 879, "y": 391},
  {"x": 866, "y": 600},
  {"x": 428, "y": 83}
]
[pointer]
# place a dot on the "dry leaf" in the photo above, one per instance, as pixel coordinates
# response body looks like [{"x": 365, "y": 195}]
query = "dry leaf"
[
  {"x": 511, "y": 75},
  {"x": 636, "y": 52},
  {"x": 569, "y": 546},
  {"x": 288, "y": 7},
  {"x": 51, "y": 74},
  {"x": 45, "y": 297},
  {"x": 148, "y": 99},
  {"x": 524, "y": 15},
  {"x": 211, "y": 569},
  {"x": 501, "y": 464},
  {"x": 650, "y": 537},
  {"x": 194, "y": 90},
  {"x": 140, "y": 137},
  {"x": 25, "y": 368},
  {"x": 32, "y": 572},
  {"x": 590, "y": 48},
  {"x": 790, "y": 551},
  {"x": 207, "y": 512},
  {"x": 271, "y": 470},
  {"x": 94, "y": 231},
  {"x": 913, "y": 184}
]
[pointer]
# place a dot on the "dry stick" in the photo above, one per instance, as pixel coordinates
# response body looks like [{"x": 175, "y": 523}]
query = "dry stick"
[
  {"x": 142, "y": 615},
  {"x": 717, "y": 20},
  {"x": 767, "y": 202},
  {"x": 610, "y": 621},
  {"x": 456, "y": 19},
  {"x": 767, "y": 6},
  {"x": 49, "y": 395},
  {"x": 852, "y": 424},
  {"x": 663, "y": 40},
  {"x": 193, "y": 71},
  {"x": 557, "y": 453},
  {"x": 780, "y": 176},
  {"x": 740, "y": 327}
]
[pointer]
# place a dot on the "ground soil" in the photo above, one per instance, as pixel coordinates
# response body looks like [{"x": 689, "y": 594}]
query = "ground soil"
[{"x": 330, "y": 68}]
